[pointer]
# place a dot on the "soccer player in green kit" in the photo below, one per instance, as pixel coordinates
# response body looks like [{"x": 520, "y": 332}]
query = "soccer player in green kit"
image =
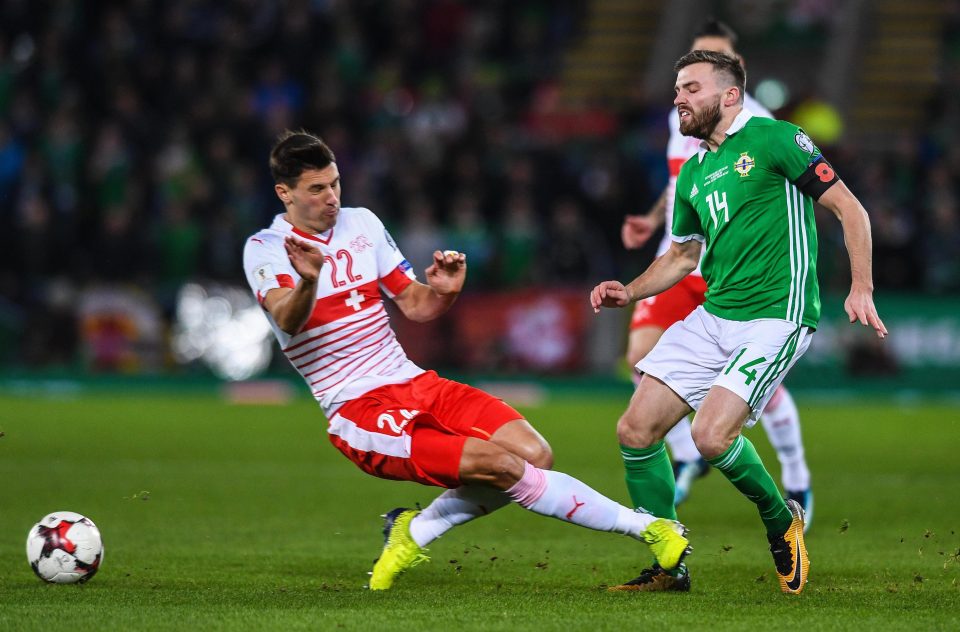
[{"x": 747, "y": 197}]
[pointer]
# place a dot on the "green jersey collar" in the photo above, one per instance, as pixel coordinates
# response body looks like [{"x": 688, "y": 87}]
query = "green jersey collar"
[{"x": 737, "y": 125}]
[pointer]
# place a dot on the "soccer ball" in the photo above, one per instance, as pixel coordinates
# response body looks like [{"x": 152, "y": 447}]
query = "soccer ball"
[{"x": 64, "y": 548}]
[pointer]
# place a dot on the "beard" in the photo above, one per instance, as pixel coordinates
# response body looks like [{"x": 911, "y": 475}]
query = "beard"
[{"x": 701, "y": 124}]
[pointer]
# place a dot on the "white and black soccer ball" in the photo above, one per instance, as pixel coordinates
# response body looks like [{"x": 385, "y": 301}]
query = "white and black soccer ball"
[{"x": 65, "y": 548}]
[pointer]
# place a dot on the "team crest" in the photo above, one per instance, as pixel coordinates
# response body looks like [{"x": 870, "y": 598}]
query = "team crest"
[
  {"x": 744, "y": 164},
  {"x": 360, "y": 244},
  {"x": 694, "y": 190}
]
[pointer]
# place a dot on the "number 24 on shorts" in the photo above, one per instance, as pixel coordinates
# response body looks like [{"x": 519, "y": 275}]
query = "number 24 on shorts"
[{"x": 747, "y": 367}]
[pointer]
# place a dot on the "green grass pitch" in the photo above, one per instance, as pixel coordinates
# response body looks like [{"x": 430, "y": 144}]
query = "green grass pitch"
[{"x": 244, "y": 517}]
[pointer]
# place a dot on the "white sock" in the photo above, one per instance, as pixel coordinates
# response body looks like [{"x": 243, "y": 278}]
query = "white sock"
[
  {"x": 782, "y": 422},
  {"x": 555, "y": 494},
  {"x": 680, "y": 442},
  {"x": 453, "y": 507}
]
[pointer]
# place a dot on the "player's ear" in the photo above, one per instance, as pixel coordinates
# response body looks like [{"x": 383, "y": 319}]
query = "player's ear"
[
  {"x": 731, "y": 96},
  {"x": 283, "y": 193}
]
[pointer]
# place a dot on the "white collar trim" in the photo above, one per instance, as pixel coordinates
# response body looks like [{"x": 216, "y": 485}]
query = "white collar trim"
[{"x": 737, "y": 125}]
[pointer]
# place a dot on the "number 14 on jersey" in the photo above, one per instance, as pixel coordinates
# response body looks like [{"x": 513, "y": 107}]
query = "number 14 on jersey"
[{"x": 717, "y": 206}]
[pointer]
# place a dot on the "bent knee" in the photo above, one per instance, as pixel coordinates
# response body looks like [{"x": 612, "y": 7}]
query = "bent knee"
[
  {"x": 502, "y": 470},
  {"x": 637, "y": 352},
  {"x": 537, "y": 453},
  {"x": 641, "y": 342},
  {"x": 711, "y": 443},
  {"x": 528, "y": 444},
  {"x": 491, "y": 465},
  {"x": 635, "y": 355},
  {"x": 633, "y": 434},
  {"x": 540, "y": 456},
  {"x": 503, "y": 464}
]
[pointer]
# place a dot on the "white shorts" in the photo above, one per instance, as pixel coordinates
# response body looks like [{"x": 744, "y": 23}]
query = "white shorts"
[{"x": 750, "y": 358}]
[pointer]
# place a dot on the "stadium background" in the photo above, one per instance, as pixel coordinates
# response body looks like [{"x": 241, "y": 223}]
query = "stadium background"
[{"x": 133, "y": 139}]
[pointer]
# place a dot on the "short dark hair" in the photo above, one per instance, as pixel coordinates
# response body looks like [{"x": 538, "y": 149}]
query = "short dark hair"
[
  {"x": 715, "y": 28},
  {"x": 296, "y": 152},
  {"x": 725, "y": 65}
]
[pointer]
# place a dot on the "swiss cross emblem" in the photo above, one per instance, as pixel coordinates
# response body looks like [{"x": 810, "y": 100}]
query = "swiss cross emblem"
[
  {"x": 355, "y": 299},
  {"x": 361, "y": 243}
]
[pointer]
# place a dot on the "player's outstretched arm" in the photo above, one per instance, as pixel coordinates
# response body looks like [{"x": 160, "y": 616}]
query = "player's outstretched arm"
[
  {"x": 856, "y": 235},
  {"x": 291, "y": 307},
  {"x": 637, "y": 229},
  {"x": 445, "y": 278},
  {"x": 665, "y": 272}
]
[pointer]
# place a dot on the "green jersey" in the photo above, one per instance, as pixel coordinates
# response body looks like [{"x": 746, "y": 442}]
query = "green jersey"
[{"x": 757, "y": 226}]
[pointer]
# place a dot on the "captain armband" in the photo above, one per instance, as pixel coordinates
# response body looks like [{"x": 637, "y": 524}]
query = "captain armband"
[{"x": 818, "y": 177}]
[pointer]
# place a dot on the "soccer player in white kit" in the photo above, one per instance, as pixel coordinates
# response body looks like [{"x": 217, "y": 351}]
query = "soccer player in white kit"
[
  {"x": 652, "y": 316},
  {"x": 318, "y": 271}
]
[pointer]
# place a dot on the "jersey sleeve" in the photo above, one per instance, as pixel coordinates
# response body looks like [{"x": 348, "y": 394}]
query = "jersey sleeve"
[
  {"x": 686, "y": 222},
  {"x": 266, "y": 265},
  {"x": 393, "y": 270},
  {"x": 795, "y": 155}
]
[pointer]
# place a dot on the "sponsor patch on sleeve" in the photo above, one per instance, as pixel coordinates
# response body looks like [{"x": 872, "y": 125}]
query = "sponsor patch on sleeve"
[
  {"x": 804, "y": 142},
  {"x": 404, "y": 266},
  {"x": 389, "y": 237},
  {"x": 264, "y": 275}
]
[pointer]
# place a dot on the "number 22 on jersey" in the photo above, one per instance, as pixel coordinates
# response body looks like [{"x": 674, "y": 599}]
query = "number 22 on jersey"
[{"x": 335, "y": 279}]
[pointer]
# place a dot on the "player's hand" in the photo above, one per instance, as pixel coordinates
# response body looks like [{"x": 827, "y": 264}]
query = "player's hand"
[
  {"x": 636, "y": 230},
  {"x": 609, "y": 294},
  {"x": 859, "y": 306},
  {"x": 447, "y": 272},
  {"x": 305, "y": 258}
]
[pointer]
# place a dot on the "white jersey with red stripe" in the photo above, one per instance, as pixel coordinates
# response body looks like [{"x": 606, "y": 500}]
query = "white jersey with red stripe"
[
  {"x": 347, "y": 346},
  {"x": 679, "y": 149}
]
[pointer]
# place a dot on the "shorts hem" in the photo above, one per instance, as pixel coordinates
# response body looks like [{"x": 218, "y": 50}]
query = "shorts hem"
[
  {"x": 754, "y": 414},
  {"x": 669, "y": 384}
]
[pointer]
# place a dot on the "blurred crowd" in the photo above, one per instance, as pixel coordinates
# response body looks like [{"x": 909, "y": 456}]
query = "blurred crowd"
[{"x": 134, "y": 137}]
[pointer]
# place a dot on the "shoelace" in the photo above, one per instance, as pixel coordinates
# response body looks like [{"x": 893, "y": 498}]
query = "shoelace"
[
  {"x": 646, "y": 575},
  {"x": 419, "y": 559},
  {"x": 656, "y": 532},
  {"x": 782, "y": 557},
  {"x": 419, "y": 555}
]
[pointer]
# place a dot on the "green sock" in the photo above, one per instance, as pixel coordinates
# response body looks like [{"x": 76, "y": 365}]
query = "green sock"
[
  {"x": 650, "y": 479},
  {"x": 741, "y": 464}
]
